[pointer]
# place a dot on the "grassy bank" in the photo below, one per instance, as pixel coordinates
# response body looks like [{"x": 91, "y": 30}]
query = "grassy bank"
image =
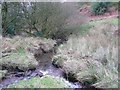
[
  {"x": 19, "y": 51},
  {"x": 43, "y": 82},
  {"x": 93, "y": 57}
]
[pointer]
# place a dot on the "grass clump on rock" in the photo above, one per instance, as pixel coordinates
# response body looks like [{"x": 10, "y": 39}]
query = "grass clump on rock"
[{"x": 43, "y": 82}]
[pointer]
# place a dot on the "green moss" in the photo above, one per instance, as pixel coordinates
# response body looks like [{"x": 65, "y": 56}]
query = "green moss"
[
  {"x": 52, "y": 82},
  {"x": 37, "y": 82}
]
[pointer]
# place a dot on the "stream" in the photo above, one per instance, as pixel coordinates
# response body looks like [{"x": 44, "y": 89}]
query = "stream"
[
  {"x": 47, "y": 69},
  {"x": 50, "y": 70}
]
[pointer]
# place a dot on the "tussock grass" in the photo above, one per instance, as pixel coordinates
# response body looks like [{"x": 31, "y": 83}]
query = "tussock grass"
[
  {"x": 20, "y": 51},
  {"x": 18, "y": 42},
  {"x": 20, "y": 60},
  {"x": 93, "y": 58}
]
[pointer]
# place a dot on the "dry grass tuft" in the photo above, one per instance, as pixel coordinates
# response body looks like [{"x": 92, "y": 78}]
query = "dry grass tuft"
[{"x": 18, "y": 42}]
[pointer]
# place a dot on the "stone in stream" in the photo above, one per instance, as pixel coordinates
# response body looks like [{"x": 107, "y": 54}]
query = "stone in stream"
[
  {"x": 28, "y": 73},
  {"x": 40, "y": 74},
  {"x": 19, "y": 74},
  {"x": 37, "y": 72},
  {"x": 33, "y": 74}
]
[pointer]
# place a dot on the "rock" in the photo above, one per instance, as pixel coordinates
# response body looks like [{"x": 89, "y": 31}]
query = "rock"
[
  {"x": 33, "y": 74},
  {"x": 28, "y": 73},
  {"x": 39, "y": 73},
  {"x": 19, "y": 74}
]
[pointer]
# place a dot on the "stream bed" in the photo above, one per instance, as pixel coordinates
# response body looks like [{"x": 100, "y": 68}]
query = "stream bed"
[{"x": 50, "y": 70}]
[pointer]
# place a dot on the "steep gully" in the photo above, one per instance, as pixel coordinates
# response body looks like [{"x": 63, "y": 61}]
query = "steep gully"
[{"x": 47, "y": 68}]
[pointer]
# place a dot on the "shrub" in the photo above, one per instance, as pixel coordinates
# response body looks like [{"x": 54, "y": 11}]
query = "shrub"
[{"x": 99, "y": 8}]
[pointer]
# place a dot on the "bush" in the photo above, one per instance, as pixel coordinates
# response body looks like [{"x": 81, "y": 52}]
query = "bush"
[{"x": 99, "y": 8}]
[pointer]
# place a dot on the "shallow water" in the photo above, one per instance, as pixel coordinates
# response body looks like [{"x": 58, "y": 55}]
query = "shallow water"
[
  {"x": 45, "y": 68},
  {"x": 51, "y": 70}
]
